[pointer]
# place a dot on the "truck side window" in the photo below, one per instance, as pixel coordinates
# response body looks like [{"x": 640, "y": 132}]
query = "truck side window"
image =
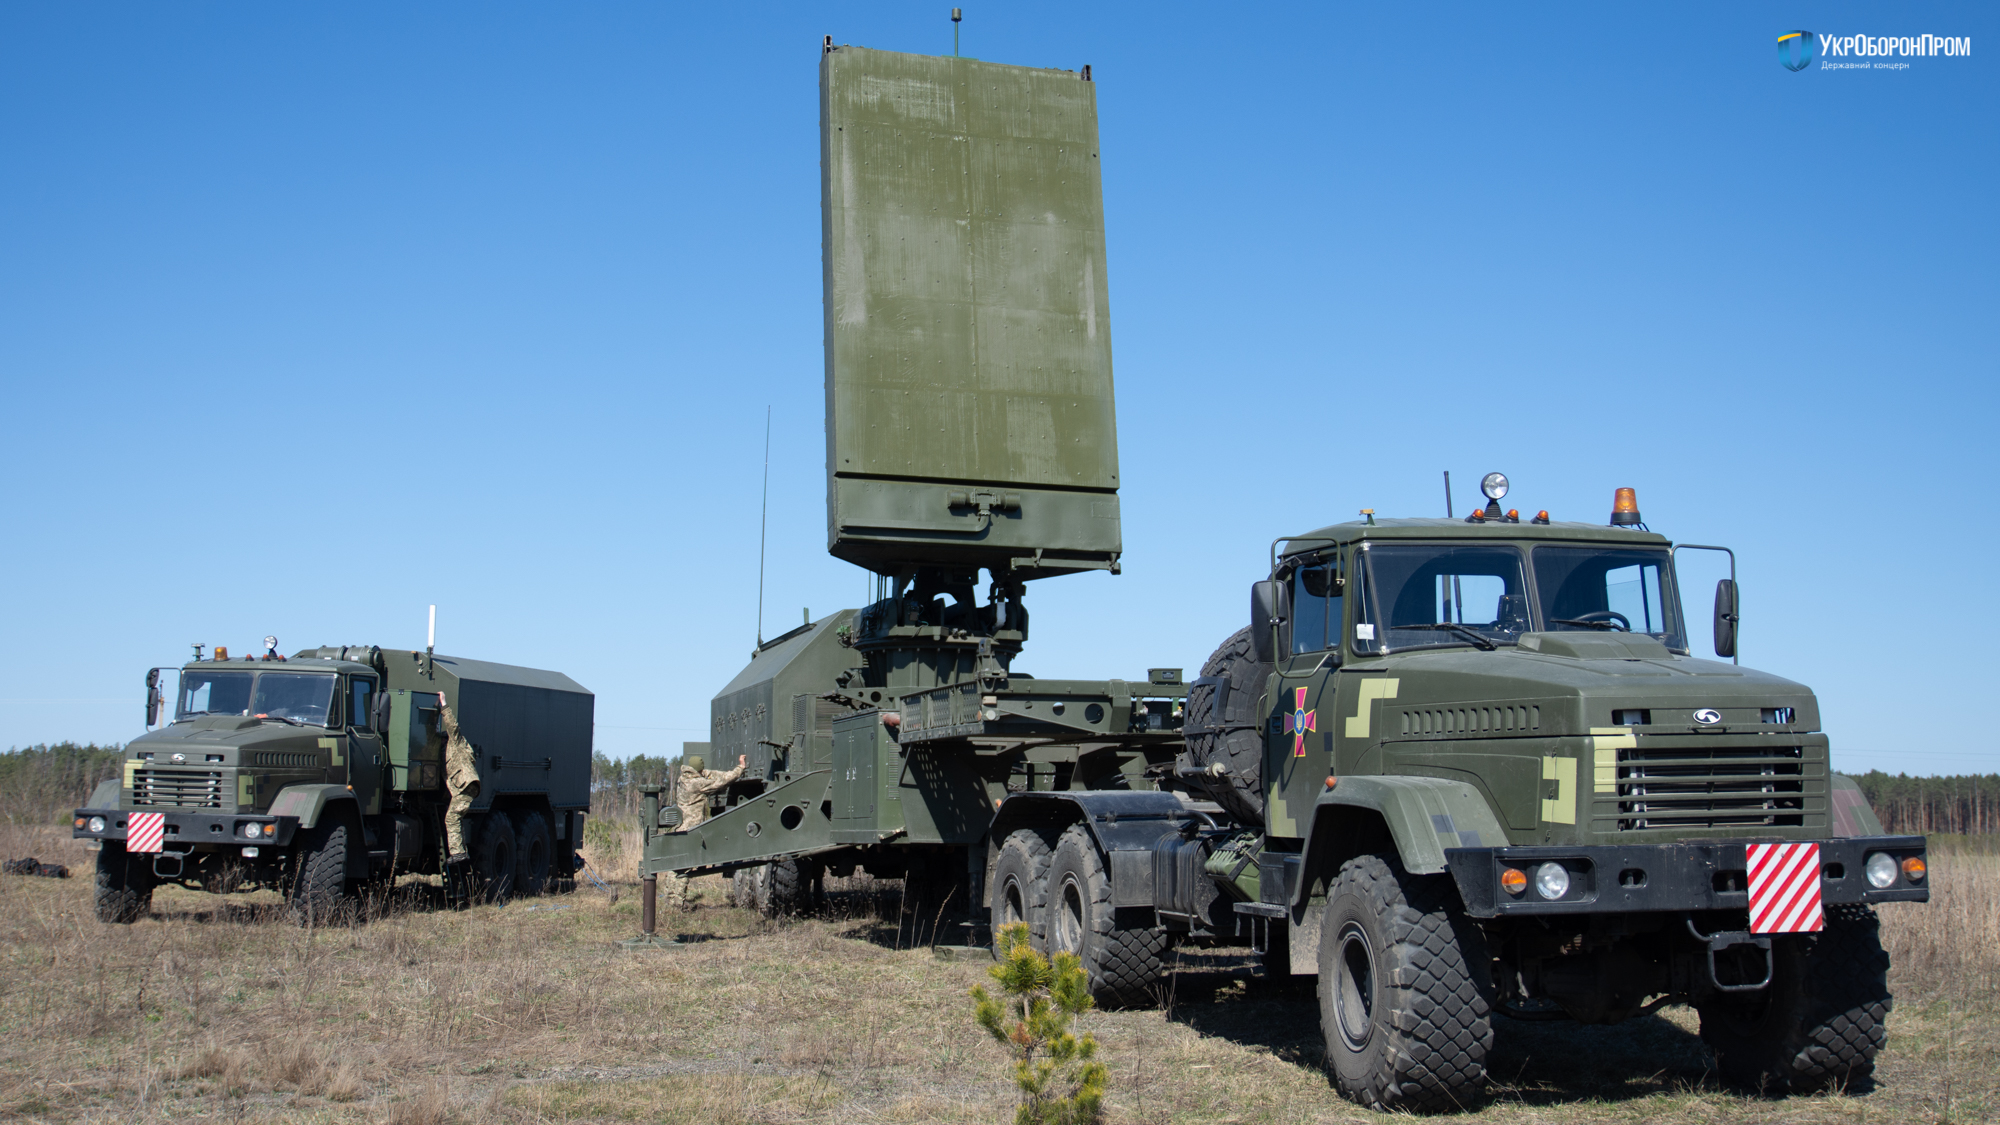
[
  {"x": 360, "y": 702},
  {"x": 1315, "y": 608}
]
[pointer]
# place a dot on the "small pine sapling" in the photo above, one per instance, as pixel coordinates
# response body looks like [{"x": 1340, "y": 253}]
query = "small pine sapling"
[{"x": 1061, "y": 1081}]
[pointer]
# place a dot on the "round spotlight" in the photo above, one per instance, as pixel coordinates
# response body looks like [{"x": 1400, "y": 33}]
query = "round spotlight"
[
  {"x": 97, "y": 824},
  {"x": 1551, "y": 880},
  {"x": 1881, "y": 870},
  {"x": 1494, "y": 485},
  {"x": 251, "y": 831}
]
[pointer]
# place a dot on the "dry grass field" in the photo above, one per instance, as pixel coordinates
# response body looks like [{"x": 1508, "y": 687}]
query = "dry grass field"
[{"x": 220, "y": 1009}]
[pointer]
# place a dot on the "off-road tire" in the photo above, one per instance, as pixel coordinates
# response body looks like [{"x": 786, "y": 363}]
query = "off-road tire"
[
  {"x": 1232, "y": 738},
  {"x": 746, "y": 887},
  {"x": 124, "y": 891},
  {"x": 1406, "y": 1024},
  {"x": 1822, "y": 1020},
  {"x": 534, "y": 854},
  {"x": 495, "y": 862},
  {"x": 318, "y": 886},
  {"x": 1124, "y": 965},
  {"x": 1020, "y": 884},
  {"x": 790, "y": 887}
]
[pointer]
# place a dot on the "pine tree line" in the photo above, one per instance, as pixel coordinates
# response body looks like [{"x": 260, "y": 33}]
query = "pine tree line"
[{"x": 1967, "y": 804}]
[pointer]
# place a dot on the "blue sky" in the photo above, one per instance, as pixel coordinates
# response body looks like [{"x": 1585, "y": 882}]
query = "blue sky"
[{"x": 314, "y": 315}]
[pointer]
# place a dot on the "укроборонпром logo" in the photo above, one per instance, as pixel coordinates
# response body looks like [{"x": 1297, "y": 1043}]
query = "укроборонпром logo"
[{"x": 1796, "y": 49}]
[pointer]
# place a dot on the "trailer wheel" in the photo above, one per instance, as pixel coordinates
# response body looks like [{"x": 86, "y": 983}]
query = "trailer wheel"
[
  {"x": 494, "y": 863},
  {"x": 534, "y": 854},
  {"x": 1821, "y": 1021},
  {"x": 1021, "y": 884},
  {"x": 1123, "y": 964},
  {"x": 1405, "y": 1023},
  {"x": 1229, "y": 737},
  {"x": 745, "y": 888},
  {"x": 789, "y": 886},
  {"x": 319, "y": 876},
  {"x": 124, "y": 892}
]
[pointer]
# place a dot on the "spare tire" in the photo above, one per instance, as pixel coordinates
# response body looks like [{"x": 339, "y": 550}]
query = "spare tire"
[{"x": 1224, "y": 735}]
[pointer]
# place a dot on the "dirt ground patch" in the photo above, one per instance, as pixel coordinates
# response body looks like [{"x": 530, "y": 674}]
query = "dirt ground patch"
[{"x": 220, "y": 1009}]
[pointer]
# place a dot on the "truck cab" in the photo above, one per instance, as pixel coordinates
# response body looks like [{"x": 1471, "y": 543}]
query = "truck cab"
[{"x": 1490, "y": 775}]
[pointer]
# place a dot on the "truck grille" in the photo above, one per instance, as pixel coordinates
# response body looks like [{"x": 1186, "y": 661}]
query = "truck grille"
[
  {"x": 181, "y": 789},
  {"x": 1735, "y": 787}
]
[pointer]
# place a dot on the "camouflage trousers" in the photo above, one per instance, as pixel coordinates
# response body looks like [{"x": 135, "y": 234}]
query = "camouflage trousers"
[
  {"x": 674, "y": 889},
  {"x": 463, "y": 792}
]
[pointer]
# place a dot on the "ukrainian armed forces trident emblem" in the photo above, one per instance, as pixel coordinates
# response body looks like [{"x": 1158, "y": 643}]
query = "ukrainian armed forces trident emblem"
[{"x": 1299, "y": 722}]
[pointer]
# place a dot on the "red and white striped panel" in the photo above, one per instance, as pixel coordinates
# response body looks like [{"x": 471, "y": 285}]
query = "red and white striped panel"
[
  {"x": 1784, "y": 889},
  {"x": 145, "y": 831}
]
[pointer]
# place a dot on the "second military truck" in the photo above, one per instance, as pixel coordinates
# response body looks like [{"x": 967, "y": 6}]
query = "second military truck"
[{"x": 322, "y": 772}]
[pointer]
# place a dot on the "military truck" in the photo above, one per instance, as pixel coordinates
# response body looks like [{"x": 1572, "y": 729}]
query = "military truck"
[
  {"x": 323, "y": 772},
  {"x": 1470, "y": 767},
  {"x": 1451, "y": 768}
]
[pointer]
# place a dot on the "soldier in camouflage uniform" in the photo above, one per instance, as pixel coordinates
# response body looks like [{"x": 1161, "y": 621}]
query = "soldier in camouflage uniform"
[
  {"x": 461, "y": 780},
  {"x": 692, "y": 796}
]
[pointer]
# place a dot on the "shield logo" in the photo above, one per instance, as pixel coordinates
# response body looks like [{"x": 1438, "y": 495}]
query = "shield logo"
[
  {"x": 1796, "y": 49},
  {"x": 1708, "y": 716}
]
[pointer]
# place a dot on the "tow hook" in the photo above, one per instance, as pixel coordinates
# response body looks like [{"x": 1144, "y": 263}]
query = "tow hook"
[
  {"x": 159, "y": 865},
  {"x": 1727, "y": 939}
]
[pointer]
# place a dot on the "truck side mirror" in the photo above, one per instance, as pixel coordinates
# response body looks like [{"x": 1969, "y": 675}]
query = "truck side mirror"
[
  {"x": 381, "y": 718},
  {"x": 1264, "y": 615},
  {"x": 1725, "y": 617},
  {"x": 153, "y": 700}
]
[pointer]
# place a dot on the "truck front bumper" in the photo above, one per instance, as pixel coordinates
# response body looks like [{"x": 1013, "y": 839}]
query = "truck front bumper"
[
  {"x": 189, "y": 830},
  {"x": 1669, "y": 877}
]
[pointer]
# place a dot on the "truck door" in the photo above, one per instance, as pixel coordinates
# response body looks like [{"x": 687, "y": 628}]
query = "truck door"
[
  {"x": 1298, "y": 743},
  {"x": 364, "y": 745}
]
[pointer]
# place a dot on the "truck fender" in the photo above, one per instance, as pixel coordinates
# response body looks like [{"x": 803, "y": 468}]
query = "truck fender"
[
  {"x": 1125, "y": 824},
  {"x": 310, "y": 802},
  {"x": 105, "y": 796},
  {"x": 1851, "y": 814},
  {"x": 1423, "y": 816}
]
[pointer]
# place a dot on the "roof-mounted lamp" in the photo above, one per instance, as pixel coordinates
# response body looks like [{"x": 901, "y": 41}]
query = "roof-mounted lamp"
[{"x": 1625, "y": 509}]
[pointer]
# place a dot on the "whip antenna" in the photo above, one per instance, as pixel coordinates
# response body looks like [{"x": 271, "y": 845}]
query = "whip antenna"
[{"x": 763, "y": 527}]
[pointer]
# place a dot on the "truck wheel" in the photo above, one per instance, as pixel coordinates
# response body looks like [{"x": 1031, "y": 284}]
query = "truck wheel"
[
  {"x": 124, "y": 885},
  {"x": 1021, "y": 884},
  {"x": 746, "y": 887},
  {"x": 1123, "y": 965},
  {"x": 1820, "y": 1023},
  {"x": 534, "y": 854},
  {"x": 788, "y": 887},
  {"x": 1406, "y": 1025},
  {"x": 319, "y": 876},
  {"x": 493, "y": 858},
  {"x": 1230, "y": 737}
]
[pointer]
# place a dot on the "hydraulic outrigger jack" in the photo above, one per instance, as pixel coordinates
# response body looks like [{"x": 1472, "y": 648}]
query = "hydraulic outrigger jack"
[{"x": 649, "y": 887}]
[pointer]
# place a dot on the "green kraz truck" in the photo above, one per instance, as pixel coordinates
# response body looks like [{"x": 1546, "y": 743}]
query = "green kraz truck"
[
  {"x": 323, "y": 772},
  {"x": 1471, "y": 766}
]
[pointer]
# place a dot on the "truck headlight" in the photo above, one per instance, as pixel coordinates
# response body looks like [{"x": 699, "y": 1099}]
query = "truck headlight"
[
  {"x": 1881, "y": 870},
  {"x": 97, "y": 824},
  {"x": 1551, "y": 880},
  {"x": 252, "y": 831}
]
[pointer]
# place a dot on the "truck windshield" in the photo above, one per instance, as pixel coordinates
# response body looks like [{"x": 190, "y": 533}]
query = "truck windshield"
[
  {"x": 1608, "y": 589},
  {"x": 303, "y": 697},
  {"x": 214, "y": 693},
  {"x": 1420, "y": 595}
]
